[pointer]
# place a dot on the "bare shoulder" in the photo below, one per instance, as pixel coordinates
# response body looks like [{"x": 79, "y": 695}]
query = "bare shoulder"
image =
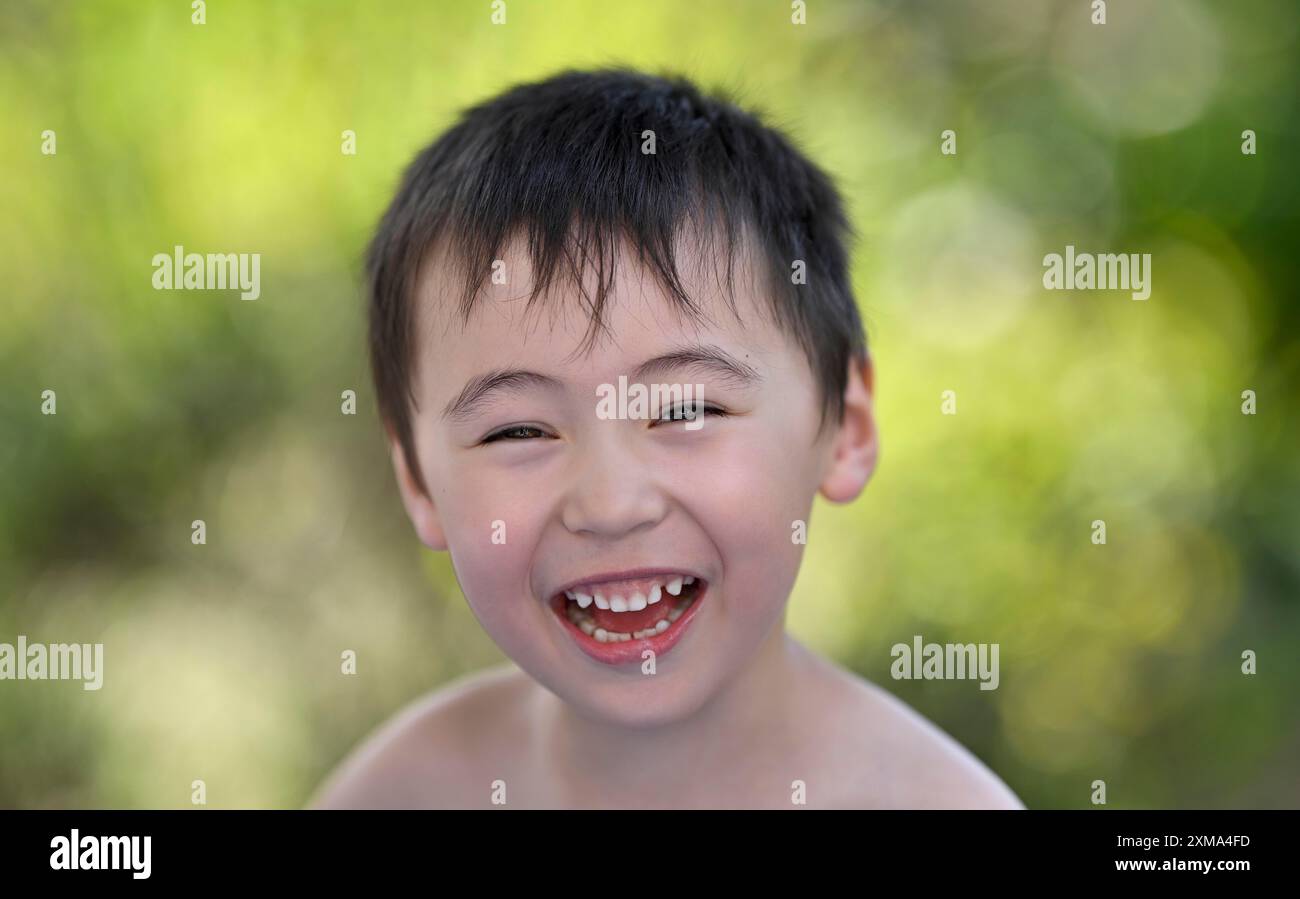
[
  {"x": 887, "y": 755},
  {"x": 441, "y": 751}
]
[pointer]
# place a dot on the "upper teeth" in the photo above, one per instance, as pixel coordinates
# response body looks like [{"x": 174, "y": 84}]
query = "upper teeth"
[{"x": 633, "y": 603}]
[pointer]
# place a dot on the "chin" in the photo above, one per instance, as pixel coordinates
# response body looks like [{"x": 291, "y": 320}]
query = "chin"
[{"x": 654, "y": 701}]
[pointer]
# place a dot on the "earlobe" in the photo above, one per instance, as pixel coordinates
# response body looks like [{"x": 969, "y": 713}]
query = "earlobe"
[
  {"x": 856, "y": 445},
  {"x": 419, "y": 506}
]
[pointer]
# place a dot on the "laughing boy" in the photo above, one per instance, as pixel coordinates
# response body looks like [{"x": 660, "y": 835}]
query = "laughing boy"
[{"x": 563, "y": 235}]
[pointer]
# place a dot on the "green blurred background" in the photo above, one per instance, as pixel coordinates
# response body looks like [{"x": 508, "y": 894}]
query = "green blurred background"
[{"x": 1118, "y": 662}]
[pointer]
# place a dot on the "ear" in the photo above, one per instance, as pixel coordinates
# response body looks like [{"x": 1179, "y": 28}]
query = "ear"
[
  {"x": 856, "y": 446},
  {"x": 419, "y": 506}
]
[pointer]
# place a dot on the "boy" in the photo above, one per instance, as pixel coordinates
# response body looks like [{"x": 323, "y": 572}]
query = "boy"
[{"x": 635, "y": 564}]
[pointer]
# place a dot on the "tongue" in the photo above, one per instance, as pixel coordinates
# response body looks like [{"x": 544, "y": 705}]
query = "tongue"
[{"x": 630, "y": 622}]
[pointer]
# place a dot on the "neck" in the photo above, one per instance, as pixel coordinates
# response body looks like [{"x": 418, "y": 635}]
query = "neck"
[{"x": 601, "y": 763}]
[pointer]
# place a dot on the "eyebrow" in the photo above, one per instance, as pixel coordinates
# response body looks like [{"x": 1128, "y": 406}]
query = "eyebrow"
[
  {"x": 480, "y": 390},
  {"x": 707, "y": 358}
]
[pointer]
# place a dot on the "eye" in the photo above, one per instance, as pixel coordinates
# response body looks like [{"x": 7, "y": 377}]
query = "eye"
[
  {"x": 515, "y": 432},
  {"x": 684, "y": 411}
]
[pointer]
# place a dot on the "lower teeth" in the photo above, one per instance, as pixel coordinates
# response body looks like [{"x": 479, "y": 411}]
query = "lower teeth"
[{"x": 587, "y": 624}]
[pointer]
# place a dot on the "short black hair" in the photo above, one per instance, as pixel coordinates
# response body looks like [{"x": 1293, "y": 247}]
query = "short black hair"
[{"x": 562, "y": 164}]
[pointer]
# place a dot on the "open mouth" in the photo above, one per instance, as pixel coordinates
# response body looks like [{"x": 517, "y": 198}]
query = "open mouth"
[{"x": 615, "y": 620}]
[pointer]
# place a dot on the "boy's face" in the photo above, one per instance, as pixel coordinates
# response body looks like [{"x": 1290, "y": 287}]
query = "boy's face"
[{"x": 533, "y": 492}]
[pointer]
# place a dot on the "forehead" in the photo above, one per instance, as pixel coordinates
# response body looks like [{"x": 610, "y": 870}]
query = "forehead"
[{"x": 554, "y": 332}]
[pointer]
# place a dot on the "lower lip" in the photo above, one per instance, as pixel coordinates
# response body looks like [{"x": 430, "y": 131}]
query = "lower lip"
[{"x": 626, "y": 651}]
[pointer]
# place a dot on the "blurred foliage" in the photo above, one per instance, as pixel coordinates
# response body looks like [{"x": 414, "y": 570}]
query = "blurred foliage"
[{"x": 1119, "y": 662}]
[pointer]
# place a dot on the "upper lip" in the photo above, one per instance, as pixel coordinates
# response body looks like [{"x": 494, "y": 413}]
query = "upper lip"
[{"x": 625, "y": 575}]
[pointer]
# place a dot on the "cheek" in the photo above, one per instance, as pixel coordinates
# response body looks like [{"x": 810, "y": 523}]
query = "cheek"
[
  {"x": 758, "y": 476},
  {"x": 491, "y": 525},
  {"x": 747, "y": 492}
]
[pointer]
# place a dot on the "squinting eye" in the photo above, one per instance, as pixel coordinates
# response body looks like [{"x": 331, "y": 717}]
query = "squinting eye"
[
  {"x": 515, "y": 432},
  {"x": 686, "y": 411}
]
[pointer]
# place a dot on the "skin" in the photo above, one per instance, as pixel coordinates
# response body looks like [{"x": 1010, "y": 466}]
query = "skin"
[{"x": 738, "y": 710}]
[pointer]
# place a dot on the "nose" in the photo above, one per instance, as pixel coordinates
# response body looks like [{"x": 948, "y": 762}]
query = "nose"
[{"x": 611, "y": 493}]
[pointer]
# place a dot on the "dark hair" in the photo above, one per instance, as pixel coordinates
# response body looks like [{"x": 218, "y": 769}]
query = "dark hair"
[{"x": 560, "y": 164}]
